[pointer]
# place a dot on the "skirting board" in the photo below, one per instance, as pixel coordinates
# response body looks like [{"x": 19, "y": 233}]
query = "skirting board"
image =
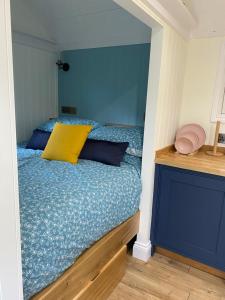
[
  {"x": 190, "y": 262},
  {"x": 142, "y": 251}
]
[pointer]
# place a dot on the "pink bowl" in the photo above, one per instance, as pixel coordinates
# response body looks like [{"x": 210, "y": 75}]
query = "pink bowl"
[
  {"x": 192, "y": 137},
  {"x": 195, "y": 128},
  {"x": 184, "y": 145},
  {"x": 189, "y": 138}
]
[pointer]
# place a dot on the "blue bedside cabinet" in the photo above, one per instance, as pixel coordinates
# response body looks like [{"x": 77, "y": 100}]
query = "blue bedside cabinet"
[{"x": 189, "y": 214}]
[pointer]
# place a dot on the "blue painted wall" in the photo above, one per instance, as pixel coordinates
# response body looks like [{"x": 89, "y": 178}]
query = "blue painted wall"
[{"x": 107, "y": 84}]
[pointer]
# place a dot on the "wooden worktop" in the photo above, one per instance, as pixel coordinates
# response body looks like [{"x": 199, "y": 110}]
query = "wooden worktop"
[{"x": 199, "y": 161}]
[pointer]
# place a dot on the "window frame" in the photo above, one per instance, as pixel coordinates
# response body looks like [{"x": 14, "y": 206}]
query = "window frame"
[{"x": 218, "y": 102}]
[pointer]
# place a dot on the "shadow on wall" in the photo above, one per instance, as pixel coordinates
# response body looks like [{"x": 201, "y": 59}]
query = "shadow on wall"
[{"x": 107, "y": 84}]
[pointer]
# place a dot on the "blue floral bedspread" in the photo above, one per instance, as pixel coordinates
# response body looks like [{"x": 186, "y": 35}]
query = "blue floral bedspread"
[{"x": 65, "y": 208}]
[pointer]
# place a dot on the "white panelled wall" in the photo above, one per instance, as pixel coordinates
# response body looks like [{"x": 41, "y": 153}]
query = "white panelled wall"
[
  {"x": 169, "y": 100},
  {"x": 36, "y": 85}
]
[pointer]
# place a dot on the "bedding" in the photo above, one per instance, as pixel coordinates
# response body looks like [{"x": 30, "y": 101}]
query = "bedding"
[
  {"x": 132, "y": 135},
  {"x": 65, "y": 208},
  {"x": 70, "y": 120}
]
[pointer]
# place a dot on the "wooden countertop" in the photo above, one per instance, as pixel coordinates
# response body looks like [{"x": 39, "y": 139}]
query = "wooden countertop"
[{"x": 199, "y": 161}]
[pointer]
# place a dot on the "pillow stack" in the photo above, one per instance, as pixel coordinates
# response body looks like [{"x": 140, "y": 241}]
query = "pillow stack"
[{"x": 70, "y": 138}]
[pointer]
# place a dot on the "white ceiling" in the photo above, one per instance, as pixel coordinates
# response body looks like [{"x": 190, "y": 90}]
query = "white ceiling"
[
  {"x": 207, "y": 16},
  {"x": 77, "y": 24},
  {"x": 25, "y": 21},
  {"x": 211, "y": 18}
]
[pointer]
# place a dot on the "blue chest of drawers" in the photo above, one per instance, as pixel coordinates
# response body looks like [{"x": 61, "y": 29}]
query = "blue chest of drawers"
[{"x": 189, "y": 214}]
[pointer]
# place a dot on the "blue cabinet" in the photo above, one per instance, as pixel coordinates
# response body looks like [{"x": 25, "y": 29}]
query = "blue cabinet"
[{"x": 189, "y": 214}]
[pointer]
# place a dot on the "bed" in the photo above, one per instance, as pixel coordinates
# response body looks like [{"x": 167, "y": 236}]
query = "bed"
[{"x": 65, "y": 209}]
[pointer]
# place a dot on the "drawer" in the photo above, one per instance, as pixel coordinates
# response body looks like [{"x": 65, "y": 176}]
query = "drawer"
[{"x": 110, "y": 275}]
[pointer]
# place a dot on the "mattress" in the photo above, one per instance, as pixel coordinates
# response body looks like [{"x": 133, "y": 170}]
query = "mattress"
[{"x": 65, "y": 208}]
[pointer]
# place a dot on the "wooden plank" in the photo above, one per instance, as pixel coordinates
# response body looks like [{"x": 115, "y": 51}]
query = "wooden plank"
[
  {"x": 164, "y": 278},
  {"x": 125, "y": 292},
  {"x": 208, "y": 278},
  {"x": 102, "y": 286},
  {"x": 200, "y": 161},
  {"x": 172, "y": 262},
  {"x": 90, "y": 263},
  {"x": 170, "y": 273},
  {"x": 190, "y": 262},
  {"x": 165, "y": 150},
  {"x": 146, "y": 280}
]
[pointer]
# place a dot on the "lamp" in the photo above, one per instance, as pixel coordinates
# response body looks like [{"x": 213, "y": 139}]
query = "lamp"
[{"x": 63, "y": 66}]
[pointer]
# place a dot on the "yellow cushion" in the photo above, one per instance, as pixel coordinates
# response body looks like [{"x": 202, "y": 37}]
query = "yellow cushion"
[{"x": 66, "y": 142}]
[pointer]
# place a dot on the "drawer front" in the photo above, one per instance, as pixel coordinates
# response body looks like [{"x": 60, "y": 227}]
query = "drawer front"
[
  {"x": 104, "y": 283},
  {"x": 190, "y": 214}
]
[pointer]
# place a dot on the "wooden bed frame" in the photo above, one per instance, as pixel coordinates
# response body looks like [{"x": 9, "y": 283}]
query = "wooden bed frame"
[{"x": 98, "y": 270}]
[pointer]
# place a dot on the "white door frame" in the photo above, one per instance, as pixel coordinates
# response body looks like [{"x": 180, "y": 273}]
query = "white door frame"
[
  {"x": 10, "y": 252},
  {"x": 142, "y": 247}
]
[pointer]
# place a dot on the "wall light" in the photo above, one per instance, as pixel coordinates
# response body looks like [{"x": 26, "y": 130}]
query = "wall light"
[{"x": 63, "y": 66}]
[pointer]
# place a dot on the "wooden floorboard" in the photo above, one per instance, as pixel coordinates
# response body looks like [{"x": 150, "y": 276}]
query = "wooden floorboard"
[{"x": 164, "y": 278}]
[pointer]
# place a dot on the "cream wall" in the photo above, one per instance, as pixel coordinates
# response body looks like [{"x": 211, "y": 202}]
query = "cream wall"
[{"x": 200, "y": 76}]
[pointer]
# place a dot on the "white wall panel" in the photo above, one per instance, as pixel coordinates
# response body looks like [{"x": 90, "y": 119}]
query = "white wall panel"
[
  {"x": 35, "y": 75},
  {"x": 171, "y": 87},
  {"x": 10, "y": 252}
]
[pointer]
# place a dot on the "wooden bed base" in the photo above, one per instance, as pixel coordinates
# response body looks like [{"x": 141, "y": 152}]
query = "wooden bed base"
[{"x": 98, "y": 270}]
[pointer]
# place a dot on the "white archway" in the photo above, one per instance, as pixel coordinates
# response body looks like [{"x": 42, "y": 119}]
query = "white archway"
[{"x": 142, "y": 247}]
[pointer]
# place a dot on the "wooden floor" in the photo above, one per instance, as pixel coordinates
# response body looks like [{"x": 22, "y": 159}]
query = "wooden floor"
[{"x": 164, "y": 278}]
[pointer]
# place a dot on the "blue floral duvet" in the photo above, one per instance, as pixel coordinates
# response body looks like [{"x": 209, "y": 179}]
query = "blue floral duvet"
[{"x": 65, "y": 208}]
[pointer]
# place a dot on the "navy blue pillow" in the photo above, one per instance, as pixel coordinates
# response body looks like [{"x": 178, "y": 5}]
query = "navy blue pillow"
[
  {"x": 38, "y": 140},
  {"x": 109, "y": 153}
]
